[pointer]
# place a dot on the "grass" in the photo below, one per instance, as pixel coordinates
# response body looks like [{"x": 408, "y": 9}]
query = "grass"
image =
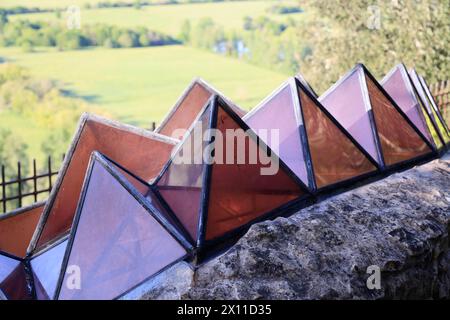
[
  {"x": 169, "y": 18},
  {"x": 137, "y": 85},
  {"x": 50, "y": 4}
]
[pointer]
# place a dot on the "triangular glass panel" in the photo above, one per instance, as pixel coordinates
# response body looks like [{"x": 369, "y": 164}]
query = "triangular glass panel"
[
  {"x": 46, "y": 268},
  {"x": 118, "y": 239},
  {"x": 243, "y": 191},
  {"x": 212, "y": 197},
  {"x": 181, "y": 183},
  {"x": 144, "y": 153},
  {"x": 335, "y": 158},
  {"x": 399, "y": 140},
  {"x": 186, "y": 110},
  {"x": 278, "y": 112},
  {"x": 315, "y": 147},
  {"x": 13, "y": 280},
  {"x": 349, "y": 104},
  {"x": 398, "y": 85},
  {"x": 17, "y": 228}
]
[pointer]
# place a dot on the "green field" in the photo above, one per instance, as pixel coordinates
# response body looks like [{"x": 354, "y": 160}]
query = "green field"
[
  {"x": 140, "y": 85},
  {"x": 137, "y": 85},
  {"x": 169, "y": 18},
  {"x": 50, "y": 4}
]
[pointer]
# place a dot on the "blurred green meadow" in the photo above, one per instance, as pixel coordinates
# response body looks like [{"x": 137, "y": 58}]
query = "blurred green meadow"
[{"x": 136, "y": 85}]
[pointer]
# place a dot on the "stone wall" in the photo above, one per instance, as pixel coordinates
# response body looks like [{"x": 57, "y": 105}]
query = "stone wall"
[{"x": 399, "y": 224}]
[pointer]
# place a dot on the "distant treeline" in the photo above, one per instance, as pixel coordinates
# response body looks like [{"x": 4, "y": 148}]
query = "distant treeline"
[
  {"x": 262, "y": 41},
  {"x": 22, "y": 10},
  {"x": 44, "y": 101},
  {"x": 280, "y": 9},
  {"x": 28, "y": 35},
  {"x": 107, "y": 4}
]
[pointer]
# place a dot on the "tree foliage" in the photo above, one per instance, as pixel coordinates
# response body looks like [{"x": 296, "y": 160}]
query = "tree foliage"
[
  {"x": 28, "y": 35},
  {"x": 414, "y": 32},
  {"x": 44, "y": 102}
]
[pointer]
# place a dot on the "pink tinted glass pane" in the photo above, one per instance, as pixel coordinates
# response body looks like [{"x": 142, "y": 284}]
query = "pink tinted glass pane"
[
  {"x": 46, "y": 269},
  {"x": 278, "y": 113},
  {"x": 399, "y": 88},
  {"x": 117, "y": 243},
  {"x": 347, "y": 104},
  {"x": 181, "y": 184}
]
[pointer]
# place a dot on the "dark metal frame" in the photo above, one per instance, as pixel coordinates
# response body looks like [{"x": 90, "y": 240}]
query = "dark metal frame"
[
  {"x": 212, "y": 106},
  {"x": 299, "y": 119},
  {"x": 2, "y": 295},
  {"x": 20, "y": 180},
  {"x": 153, "y": 212},
  {"x": 11, "y": 256}
]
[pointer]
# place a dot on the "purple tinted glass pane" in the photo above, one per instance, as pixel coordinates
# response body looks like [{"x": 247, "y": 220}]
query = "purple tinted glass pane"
[
  {"x": 278, "y": 113},
  {"x": 46, "y": 268},
  {"x": 181, "y": 184},
  {"x": 117, "y": 243},
  {"x": 7, "y": 266},
  {"x": 144, "y": 189},
  {"x": 349, "y": 106},
  {"x": 13, "y": 282},
  {"x": 399, "y": 87}
]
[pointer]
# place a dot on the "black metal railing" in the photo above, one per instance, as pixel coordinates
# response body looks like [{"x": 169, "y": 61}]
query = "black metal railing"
[{"x": 17, "y": 188}]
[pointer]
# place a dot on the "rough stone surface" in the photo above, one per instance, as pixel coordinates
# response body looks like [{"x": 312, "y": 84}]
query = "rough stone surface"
[{"x": 400, "y": 224}]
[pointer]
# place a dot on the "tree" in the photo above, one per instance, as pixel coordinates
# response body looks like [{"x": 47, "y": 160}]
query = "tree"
[
  {"x": 137, "y": 4},
  {"x": 127, "y": 40},
  {"x": 13, "y": 150},
  {"x": 248, "y": 23},
  {"x": 71, "y": 40},
  {"x": 379, "y": 34},
  {"x": 185, "y": 32}
]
